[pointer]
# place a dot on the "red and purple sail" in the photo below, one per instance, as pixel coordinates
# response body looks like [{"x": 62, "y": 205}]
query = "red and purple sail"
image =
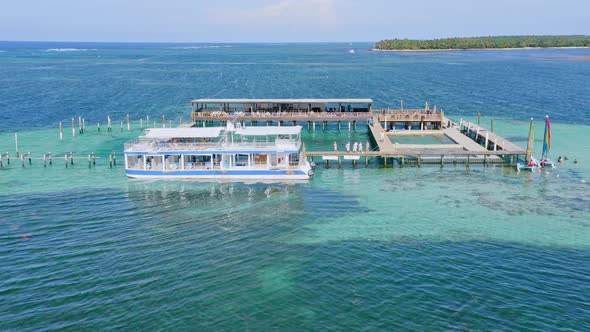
[{"x": 546, "y": 139}]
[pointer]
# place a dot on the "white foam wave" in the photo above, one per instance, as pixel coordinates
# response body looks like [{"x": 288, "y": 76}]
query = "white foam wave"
[
  {"x": 202, "y": 47},
  {"x": 70, "y": 49}
]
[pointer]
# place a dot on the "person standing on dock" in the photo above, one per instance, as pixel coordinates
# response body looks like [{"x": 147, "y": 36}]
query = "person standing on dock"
[
  {"x": 335, "y": 146},
  {"x": 368, "y": 146},
  {"x": 347, "y": 147},
  {"x": 355, "y": 146},
  {"x": 360, "y": 147}
]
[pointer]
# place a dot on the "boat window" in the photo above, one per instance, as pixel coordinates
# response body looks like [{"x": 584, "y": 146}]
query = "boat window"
[
  {"x": 154, "y": 162},
  {"x": 260, "y": 160},
  {"x": 241, "y": 160},
  {"x": 172, "y": 162},
  {"x": 135, "y": 162},
  {"x": 197, "y": 162},
  {"x": 294, "y": 159}
]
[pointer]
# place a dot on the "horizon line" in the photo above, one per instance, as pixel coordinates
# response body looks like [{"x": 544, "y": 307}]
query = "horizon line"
[{"x": 277, "y": 42}]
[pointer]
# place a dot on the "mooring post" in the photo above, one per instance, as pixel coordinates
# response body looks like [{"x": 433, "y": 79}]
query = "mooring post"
[
  {"x": 163, "y": 121},
  {"x": 442, "y": 160},
  {"x": 16, "y": 143},
  {"x": 50, "y": 158},
  {"x": 141, "y": 123},
  {"x": 73, "y": 127},
  {"x": 348, "y": 125},
  {"x": 419, "y": 160},
  {"x": 485, "y": 145},
  {"x": 492, "y": 125},
  {"x": 121, "y": 126},
  {"x": 314, "y": 126},
  {"x": 71, "y": 158},
  {"x": 478, "y": 119},
  {"x": 128, "y": 122},
  {"x": 93, "y": 159},
  {"x": 98, "y": 126},
  {"x": 83, "y": 125},
  {"x": 366, "y": 161},
  {"x": 110, "y": 161},
  {"x": 467, "y": 163},
  {"x": 114, "y": 159},
  {"x": 109, "y": 127},
  {"x": 44, "y": 160},
  {"x": 80, "y": 124},
  {"x": 61, "y": 131},
  {"x": 339, "y": 162},
  {"x": 89, "y": 161}
]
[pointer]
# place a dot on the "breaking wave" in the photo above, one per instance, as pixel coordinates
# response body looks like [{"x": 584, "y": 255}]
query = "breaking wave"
[{"x": 70, "y": 49}]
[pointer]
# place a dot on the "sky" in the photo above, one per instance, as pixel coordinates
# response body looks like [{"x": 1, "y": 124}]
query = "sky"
[{"x": 284, "y": 20}]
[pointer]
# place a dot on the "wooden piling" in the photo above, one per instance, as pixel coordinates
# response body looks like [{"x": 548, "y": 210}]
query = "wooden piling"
[{"x": 16, "y": 143}]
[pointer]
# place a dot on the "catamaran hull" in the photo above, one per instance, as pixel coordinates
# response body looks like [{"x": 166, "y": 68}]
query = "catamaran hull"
[{"x": 222, "y": 175}]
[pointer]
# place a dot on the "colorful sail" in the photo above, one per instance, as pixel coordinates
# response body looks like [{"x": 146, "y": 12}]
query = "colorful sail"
[{"x": 546, "y": 139}]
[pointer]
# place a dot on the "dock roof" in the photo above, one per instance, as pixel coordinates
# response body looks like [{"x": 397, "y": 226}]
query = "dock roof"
[
  {"x": 183, "y": 132},
  {"x": 285, "y": 101},
  {"x": 262, "y": 131}
]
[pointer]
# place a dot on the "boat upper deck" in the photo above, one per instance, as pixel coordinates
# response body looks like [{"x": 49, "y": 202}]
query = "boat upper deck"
[{"x": 217, "y": 140}]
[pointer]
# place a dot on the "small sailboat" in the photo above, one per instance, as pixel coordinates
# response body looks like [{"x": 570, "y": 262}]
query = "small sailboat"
[
  {"x": 531, "y": 163},
  {"x": 545, "y": 161}
]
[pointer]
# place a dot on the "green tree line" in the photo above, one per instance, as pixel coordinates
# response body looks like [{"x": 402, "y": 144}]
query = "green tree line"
[{"x": 484, "y": 42}]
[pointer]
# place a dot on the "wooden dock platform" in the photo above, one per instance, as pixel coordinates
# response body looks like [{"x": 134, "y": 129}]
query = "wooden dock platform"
[{"x": 465, "y": 150}]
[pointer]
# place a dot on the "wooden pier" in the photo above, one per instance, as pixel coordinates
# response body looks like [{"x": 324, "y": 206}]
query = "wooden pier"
[{"x": 465, "y": 149}]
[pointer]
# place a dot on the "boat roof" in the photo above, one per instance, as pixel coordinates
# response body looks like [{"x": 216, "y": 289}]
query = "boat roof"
[
  {"x": 183, "y": 132},
  {"x": 285, "y": 101},
  {"x": 263, "y": 131}
]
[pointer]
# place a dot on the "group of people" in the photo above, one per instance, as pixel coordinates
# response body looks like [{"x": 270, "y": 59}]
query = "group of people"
[
  {"x": 356, "y": 147},
  {"x": 561, "y": 160}
]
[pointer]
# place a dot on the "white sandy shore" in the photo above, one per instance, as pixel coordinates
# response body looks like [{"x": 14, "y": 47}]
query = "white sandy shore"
[{"x": 479, "y": 49}]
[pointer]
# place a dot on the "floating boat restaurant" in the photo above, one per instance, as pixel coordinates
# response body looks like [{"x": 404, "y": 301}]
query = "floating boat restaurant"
[{"x": 268, "y": 153}]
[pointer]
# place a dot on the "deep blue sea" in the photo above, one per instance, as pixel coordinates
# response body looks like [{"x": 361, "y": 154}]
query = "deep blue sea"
[{"x": 377, "y": 248}]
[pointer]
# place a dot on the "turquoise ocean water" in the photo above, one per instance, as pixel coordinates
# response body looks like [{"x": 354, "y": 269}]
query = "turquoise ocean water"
[{"x": 375, "y": 248}]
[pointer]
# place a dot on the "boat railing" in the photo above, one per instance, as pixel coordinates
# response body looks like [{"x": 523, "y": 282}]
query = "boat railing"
[
  {"x": 150, "y": 146},
  {"x": 280, "y": 115}
]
